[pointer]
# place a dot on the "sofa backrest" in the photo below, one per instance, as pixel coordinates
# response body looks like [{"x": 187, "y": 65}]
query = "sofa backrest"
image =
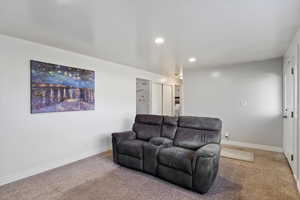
[
  {"x": 194, "y": 132},
  {"x": 169, "y": 127},
  {"x": 147, "y": 126}
]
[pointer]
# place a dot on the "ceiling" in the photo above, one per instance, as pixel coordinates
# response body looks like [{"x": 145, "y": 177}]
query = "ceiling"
[{"x": 123, "y": 31}]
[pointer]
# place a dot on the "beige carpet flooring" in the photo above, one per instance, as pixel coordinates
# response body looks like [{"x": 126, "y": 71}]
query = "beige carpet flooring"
[{"x": 97, "y": 178}]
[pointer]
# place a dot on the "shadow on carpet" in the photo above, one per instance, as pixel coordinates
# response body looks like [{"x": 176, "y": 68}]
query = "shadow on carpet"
[{"x": 125, "y": 184}]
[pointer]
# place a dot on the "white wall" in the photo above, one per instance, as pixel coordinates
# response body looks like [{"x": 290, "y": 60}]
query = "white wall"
[
  {"x": 32, "y": 143},
  {"x": 247, "y": 97}
]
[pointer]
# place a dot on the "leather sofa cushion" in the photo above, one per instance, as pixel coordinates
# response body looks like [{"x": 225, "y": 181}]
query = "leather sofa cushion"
[
  {"x": 170, "y": 120},
  {"x": 146, "y": 131},
  {"x": 169, "y": 127},
  {"x": 175, "y": 176},
  {"x": 147, "y": 126},
  {"x": 132, "y": 148},
  {"x": 168, "y": 131},
  {"x": 177, "y": 158},
  {"x": 149, "y": 119},
  {"x": 160, "y": 141},
  {"x": 194, "y": 138},
  {"x": 201, "y": 123}
]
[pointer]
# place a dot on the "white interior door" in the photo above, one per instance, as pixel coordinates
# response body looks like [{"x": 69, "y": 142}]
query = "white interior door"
[
  {"x": 290, "y": 111},
  {"x": 142, "y": 96},
  {"x": 157, "y": 102},
  {"x": 298, "y": 108},
  {"x": 168, "y": 100}
]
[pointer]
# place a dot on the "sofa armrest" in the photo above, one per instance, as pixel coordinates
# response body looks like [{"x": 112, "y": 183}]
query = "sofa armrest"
[
  {"x": 121, "y": 136},
  {"x": 209, "y": 150},
  {"x": 205, "y": 167},
  {"x": 161, "y": 141}
]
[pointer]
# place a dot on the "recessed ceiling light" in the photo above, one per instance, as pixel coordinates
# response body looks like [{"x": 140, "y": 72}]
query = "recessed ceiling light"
[
  {"x": 192, "y": 59},
  {"x": 159, "y": 40}
]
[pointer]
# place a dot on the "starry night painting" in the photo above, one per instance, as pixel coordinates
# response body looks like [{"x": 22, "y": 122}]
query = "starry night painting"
[{"x": 57, "y": 88}]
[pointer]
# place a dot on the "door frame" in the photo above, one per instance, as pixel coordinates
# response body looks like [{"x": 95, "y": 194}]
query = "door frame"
[
  {"x": 172, "y": 98},
  {"x": 296, "y": 112},
  {"x": 298, "y": 119},
  {"x": 292, "y": 63},
  {"x": 151, "y": 95}
]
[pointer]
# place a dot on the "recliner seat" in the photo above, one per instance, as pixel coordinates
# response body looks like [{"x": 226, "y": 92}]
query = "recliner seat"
[{"x": 184, "y": 150}]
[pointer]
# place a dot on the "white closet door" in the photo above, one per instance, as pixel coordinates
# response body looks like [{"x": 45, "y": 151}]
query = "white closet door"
[
  {"x": 168, "y": 100},
  {"x": 157, "y": 98},
  {"x": 290, "y": 112}
]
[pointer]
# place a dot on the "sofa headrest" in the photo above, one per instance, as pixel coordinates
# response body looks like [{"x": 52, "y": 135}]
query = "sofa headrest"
[
  {"x": 149, "y": 119},
  {"x": 169, "y": 120},
  {"x": 201, "y": 123}
]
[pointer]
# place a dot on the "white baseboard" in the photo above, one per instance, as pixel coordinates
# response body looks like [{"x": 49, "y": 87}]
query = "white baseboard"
[
  {"x": 45, "y": 167},
  {"x": 253, "y": 146}
]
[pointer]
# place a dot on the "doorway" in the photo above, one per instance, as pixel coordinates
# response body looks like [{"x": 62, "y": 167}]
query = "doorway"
[
  {"x": 154, "y": 98},
  {"x": 142, "y": 96},
  {"x": 167, "y": 100},
  {"x": 157, "y": 99}
]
